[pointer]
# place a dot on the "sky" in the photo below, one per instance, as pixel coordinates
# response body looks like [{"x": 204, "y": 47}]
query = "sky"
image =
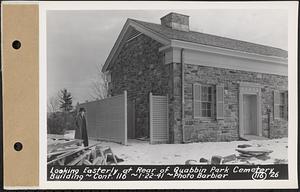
[{"x": 79, "y": 41}]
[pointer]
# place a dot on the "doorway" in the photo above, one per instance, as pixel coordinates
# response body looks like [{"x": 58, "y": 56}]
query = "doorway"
[{"x": 250, "y": 114}]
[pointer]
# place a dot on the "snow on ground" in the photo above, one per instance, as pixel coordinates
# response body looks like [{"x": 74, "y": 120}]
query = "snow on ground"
[{"x": 142, "y": 153}]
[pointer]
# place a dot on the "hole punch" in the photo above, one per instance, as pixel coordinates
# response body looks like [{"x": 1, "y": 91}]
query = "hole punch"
[
  {"x": 18, "y": 146},
  {"x": 16, "y": 44}
]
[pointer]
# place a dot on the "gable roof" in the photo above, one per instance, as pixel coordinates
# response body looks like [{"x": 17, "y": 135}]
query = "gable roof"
[
  {"x": 213, "y": 40},
  {"x": 165, "y": 35}
]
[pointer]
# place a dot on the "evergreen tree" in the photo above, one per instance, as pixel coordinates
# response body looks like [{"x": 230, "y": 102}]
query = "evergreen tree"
[{"x": 65, "y": 100}]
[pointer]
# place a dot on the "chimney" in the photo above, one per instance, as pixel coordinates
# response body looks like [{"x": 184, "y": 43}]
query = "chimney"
[{"x": 176, "y": 21}]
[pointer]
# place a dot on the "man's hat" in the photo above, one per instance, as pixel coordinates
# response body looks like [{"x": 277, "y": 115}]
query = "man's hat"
[{"x": 82, "y": 109}]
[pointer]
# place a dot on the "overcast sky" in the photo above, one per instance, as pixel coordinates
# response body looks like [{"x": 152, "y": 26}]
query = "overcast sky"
[{"x": 78, "y": 41}]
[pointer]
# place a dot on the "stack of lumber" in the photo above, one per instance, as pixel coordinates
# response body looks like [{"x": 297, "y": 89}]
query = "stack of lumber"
[
  {"x": 257, "y": 152},
  {"x": 62, "y": 151}
]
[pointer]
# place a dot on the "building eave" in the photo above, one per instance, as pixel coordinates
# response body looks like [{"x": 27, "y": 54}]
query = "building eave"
[
  {"x": 199, "y": 54},
  {"x": 223, "y": 51}
]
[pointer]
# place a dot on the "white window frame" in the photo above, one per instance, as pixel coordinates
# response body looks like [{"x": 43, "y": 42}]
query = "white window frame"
[
  {"x": 213, "y": 101},
  {"x": 283, "y": 106}
]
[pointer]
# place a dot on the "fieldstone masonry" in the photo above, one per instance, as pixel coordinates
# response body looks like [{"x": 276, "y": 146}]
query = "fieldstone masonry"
[
  {"x": 227, "y": 129},
  {"x": 139, "y": 68},
  {"x": 175, "y": 102}
]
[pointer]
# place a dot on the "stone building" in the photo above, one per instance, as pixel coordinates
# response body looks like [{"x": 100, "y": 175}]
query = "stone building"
[{"x": 218, "y": 89}]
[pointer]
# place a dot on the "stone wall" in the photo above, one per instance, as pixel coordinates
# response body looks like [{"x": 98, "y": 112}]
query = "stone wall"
[
  {"x": 139, "y": 70},
  {"x": 175, "y": 103},
  {"x": 227, "y": 129}
]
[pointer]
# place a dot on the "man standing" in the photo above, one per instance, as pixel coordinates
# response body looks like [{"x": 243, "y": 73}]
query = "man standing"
[{"x": 81, "y": 131}]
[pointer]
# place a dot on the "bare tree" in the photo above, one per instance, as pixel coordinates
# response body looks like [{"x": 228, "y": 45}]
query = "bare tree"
[
  {"x": 99, "y": 86},
  {"x": 53, "y": 104}
]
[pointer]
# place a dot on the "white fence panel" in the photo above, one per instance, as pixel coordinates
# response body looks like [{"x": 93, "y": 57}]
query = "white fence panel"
[{"x": 159, "y": 127}]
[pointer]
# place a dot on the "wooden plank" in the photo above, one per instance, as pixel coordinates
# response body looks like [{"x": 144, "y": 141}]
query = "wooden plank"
[
  {"x": 71, "y": 153},
  {"x": 104, "y": 162},
  {"x": 55, "y": 136},
  {"x": 96, "y": 160},
  {"x": 87, "y": 162},
  {"x": 67, "y": 148},
  {"x": 59, "y": 152},
  {"x": 109, "y": 151},
  {"x": 80, "y": 158},
  {"x": 57, "y": 145}
]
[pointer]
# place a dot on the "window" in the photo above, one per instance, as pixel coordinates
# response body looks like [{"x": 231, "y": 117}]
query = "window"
[
  {"x": 204, "y": 101},
  {"x": 281, "y": 105},
  {"x": 208, "y": 101}
]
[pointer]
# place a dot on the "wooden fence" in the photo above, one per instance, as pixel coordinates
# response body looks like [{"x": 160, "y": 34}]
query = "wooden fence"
[
  {"x": 107, "y": 119},
  {"x": 159, "y": 126}
]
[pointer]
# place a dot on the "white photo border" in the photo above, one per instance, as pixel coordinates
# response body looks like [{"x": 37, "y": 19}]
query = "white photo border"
[{"x": 292, "y": 182}]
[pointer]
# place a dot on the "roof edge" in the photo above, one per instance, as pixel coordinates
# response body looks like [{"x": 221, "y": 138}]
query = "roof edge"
[
  {"x": 141, "y": 28},
  {"x": 283, "y": 54},
  {"x": 225, "y": 51}
]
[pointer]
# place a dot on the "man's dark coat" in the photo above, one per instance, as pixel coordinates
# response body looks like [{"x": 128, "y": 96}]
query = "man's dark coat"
[{"x": 81, "y": 131}]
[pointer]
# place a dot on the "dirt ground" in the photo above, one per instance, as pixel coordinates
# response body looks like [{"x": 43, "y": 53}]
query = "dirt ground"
[{"x": 143, "y": 153}]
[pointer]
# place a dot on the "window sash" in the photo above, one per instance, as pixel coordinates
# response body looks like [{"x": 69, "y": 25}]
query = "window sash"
[
  {"x": 281, "y": 111},
  {"x": 280, "y": 105},
  {"x": 203, "y": 101},
  {"x": 206, "y": 109},
  {"x": 276, "y": 104}
]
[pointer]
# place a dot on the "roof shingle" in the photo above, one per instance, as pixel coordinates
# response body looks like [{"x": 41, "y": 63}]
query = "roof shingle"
[{"x": 213, "y": 40}]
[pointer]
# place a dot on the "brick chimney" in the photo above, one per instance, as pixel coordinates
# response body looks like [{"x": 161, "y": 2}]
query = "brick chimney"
[{"x": 176, "y": 21}]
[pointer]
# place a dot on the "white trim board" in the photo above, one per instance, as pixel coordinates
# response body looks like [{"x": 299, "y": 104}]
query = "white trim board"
[
  {"x": 223, "y": 58},
  {"x": 250, "y": 89},
  {"x": 228, "y": 52}
]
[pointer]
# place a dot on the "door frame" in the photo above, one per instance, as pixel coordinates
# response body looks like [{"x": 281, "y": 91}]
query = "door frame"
[{"x": 246, "y": 88}]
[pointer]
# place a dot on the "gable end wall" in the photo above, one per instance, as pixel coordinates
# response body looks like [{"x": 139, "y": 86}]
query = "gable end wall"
[{"x": 139, "y": 70}]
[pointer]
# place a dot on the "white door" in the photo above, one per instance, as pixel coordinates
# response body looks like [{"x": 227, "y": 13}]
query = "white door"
[{"x": 250, "y": 115}]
